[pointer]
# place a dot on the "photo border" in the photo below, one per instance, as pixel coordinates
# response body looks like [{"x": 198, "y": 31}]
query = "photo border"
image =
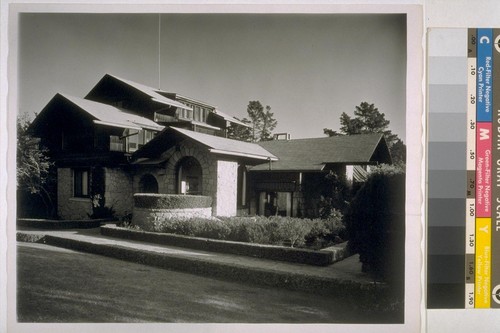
[{"x": 414, "y": 245}]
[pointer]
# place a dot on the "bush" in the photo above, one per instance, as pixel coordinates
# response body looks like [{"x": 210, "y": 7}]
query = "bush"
[
  {"x": 275, "y": 230},
  {"x": 290, "y": 230},
  {"x": 197, "y": 227},
  {"x": 376, "y": 224},
  {"x": 99, "y": 210},
  {"x": 171, "y": 201},
  {"x": 328, "y": 231}
]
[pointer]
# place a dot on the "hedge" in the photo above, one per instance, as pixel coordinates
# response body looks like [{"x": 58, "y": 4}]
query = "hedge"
[
  {"x": 171, "y": 201},
  {"x": 275, "y": 230},
  {"x": 376, "y": 225}
]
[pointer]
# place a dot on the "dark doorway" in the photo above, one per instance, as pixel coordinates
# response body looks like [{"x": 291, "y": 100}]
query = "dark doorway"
[{"x": 148, "y": 184}]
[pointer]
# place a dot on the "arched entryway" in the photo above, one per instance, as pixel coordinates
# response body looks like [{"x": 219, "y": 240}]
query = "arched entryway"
[
  {"x": 148, "y": 184},
  {"x": 189, "y": 176}
]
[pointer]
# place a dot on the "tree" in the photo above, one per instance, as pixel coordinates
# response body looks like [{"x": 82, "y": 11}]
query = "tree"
[
  {"x": 368, "y": 119},
  {"x": 268, "y": 124},
  {"x": 398, "y": 152},
  {"x": 239, "y": 132},
  {"x": 34, "y": 169},
  {"x": 263, "y": 122}
]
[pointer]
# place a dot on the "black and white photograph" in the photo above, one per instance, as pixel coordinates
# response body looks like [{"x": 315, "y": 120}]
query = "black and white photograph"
[{"x": 217, "y": 167}]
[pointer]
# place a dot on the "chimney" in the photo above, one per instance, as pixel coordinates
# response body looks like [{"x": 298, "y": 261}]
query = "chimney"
[{"x": 281, "y": 136}]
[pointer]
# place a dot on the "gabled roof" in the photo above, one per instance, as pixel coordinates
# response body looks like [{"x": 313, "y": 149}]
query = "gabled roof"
[
  {"x": 104, "y": 114},
  {"x": 214, "y": 144},
  {"x": 146, "y": 90},
  {"x": 315, "y": 154}
]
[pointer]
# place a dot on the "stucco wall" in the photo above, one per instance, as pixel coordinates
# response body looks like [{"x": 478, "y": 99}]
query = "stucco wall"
[
  {"x": 225, "y": 200},
  {"x": 69, "y": 207},
  {"x": 119, "y": 191}
]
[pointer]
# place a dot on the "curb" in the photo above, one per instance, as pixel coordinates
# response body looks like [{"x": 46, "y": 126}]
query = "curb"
[
  {"x": 60, "y": 224},
  {"x": 323, "y": 257},
  {"x": 231, "y": 272}
]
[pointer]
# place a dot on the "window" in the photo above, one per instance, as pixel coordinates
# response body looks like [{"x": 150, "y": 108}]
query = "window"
[
  {"x": 189, "y": 176},
  {"x": 196, "y": 111},
  {"x": 275, "y": 203},
  {"x": 81, "y": 182},
  {"x": 115, "y": 143},
  {"x": 242, "y": 186}
]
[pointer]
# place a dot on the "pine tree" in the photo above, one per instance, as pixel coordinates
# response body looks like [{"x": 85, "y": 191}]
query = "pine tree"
[
  {"x": 263, "y": 122},
  {"x": 368, "y": 119}
]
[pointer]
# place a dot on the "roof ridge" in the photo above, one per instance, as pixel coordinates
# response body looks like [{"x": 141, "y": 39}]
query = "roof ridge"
[{"x": 325, "y": 137}]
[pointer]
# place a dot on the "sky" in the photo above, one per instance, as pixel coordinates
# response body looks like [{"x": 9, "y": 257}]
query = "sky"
[{"x": 309, "y": 68}]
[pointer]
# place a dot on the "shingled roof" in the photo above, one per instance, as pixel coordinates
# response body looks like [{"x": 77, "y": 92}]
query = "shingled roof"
[
  {"x": 214, "y": 144},
  {"x": 154, "y": 94},
  {"x": 315, "y": 154},
  {"x": 102, "y": 114}
]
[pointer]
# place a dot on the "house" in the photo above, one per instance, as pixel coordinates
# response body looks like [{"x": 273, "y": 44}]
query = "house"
[
  {"x": 293, "y": 184},
  {"x": 125, "y": 138}
]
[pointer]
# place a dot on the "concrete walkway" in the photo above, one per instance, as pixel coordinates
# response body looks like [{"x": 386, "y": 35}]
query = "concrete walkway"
[{"x": 344, "y": 276}]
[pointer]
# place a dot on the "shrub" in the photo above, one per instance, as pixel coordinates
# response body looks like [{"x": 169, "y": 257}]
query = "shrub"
[
  {"x": 290, "y": 230},
  {"x": 171, "y": 201},
  {"x": 249, "y": 229},
  {"x": 376, "y": 224},
  {"x": 99, "y": 210},
  {"x": 325, "y": 232},
  {"x": 275, "y": 230},
  {"x": 198, "y": 227}
]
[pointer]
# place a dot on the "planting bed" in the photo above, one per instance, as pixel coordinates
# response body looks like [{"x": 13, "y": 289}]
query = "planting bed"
[{"x": 318, "y": 258}]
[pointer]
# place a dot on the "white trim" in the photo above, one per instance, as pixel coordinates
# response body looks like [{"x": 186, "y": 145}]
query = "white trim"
[
  {"x": 135, "y": 126},
  {"x": 225, "y": 152},
  {"x": 100, "y": 122}
]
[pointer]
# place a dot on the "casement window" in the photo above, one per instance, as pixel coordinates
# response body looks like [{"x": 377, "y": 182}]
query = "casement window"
[
  {"x": 81, "y": 183},
  {"x": 115, "y": 143},
  {"x": 135, "y": 139}
]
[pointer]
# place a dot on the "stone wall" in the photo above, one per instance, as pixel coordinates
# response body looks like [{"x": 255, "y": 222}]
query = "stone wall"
[
  {"x": 69, "y": 207},
  {"x": 119, "y": 191},
  {"x": 225, "y": 198},
  {"x": 208, "y": 164},
  {"x": 219, "y": 177},
  {"x": 155, "y": 171}
]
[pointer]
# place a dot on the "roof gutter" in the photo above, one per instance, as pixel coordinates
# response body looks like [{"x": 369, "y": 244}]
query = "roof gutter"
[
  {"x": 225, "y": 152},
  {"x": 105, "y": 123},
  {"x": 135, "y": 126}
]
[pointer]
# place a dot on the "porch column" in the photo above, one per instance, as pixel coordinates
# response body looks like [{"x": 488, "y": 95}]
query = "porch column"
[{"x": 227, "y": 185}]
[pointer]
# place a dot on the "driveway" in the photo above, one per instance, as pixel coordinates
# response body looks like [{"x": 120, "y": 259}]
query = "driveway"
[{"x": 59, "y": 285}]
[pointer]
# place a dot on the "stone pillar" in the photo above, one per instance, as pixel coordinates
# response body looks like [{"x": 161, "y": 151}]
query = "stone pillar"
[{"x": 225, "y": 202}]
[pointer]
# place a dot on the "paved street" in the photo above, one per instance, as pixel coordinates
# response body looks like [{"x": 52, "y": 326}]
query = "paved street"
[{"x": 59, "y": 285}]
